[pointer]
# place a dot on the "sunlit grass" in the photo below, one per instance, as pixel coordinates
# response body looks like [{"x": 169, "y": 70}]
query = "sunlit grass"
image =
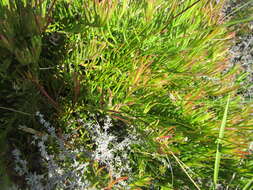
[{"x": 159, "y": 66}]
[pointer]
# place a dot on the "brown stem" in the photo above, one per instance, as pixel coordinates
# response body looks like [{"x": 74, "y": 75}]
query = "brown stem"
[{"x": 44, "y": 92}]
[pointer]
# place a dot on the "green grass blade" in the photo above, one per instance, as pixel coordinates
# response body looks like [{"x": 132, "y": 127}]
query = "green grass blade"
[
  {"x": 249, "y": 185},
  {"x": 219, "y": 144}
]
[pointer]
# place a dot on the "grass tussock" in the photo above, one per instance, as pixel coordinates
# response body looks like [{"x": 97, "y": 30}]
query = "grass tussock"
[{"x": 157, "y": 70}]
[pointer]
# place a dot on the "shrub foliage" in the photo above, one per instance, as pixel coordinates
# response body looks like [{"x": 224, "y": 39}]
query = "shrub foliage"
[{"x": 159, "y": 70}]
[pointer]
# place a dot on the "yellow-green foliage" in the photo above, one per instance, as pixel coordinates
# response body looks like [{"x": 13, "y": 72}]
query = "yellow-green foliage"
[{"x": 161, "y": 66}]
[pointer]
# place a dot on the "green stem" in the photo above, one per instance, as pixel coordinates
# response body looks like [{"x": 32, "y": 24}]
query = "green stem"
[{"x": 219, "y": 144}]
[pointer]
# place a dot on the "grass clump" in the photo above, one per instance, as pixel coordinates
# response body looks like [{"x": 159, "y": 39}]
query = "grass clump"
[{"x": 158, "y": 70}]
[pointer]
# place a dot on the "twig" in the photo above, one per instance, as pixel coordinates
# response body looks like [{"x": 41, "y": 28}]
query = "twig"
[{"x": 17, "y": 111}]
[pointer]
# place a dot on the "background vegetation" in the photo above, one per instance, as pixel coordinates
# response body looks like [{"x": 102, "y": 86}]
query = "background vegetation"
[{"x": 158, "y": 69}]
